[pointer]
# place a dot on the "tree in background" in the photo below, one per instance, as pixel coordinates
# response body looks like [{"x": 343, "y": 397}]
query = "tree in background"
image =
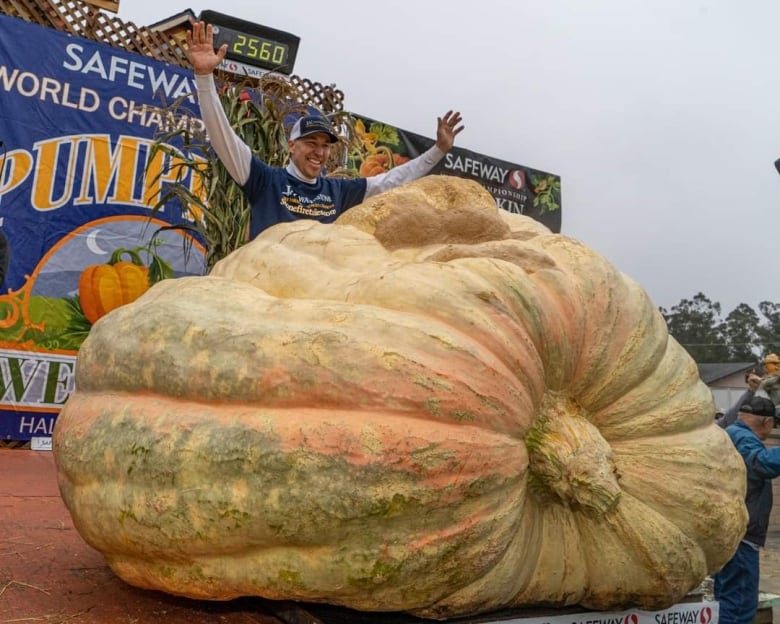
[
  {"x": 695, "y": 324},
  {"x": 769, "y": 331},
  {"x": 744, "y": 336},
  {"x": 740, "y": 331}
]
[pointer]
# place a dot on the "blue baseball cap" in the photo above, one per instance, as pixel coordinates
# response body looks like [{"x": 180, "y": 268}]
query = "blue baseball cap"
[{"x": 312, "y": 124}]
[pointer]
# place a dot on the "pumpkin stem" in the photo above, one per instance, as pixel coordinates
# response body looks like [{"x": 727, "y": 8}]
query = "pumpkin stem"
[
  {"x": 568, "y": 459},
  {"x": 159, "y": 269},
  {"x": 135, "y": 258}
]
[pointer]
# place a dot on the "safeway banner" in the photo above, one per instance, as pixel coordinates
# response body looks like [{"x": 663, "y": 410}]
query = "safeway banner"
[
  {"x": 77, "y": 188},
  {"x": 706, "y": 612},
  {"x": 516, "y": 188}
]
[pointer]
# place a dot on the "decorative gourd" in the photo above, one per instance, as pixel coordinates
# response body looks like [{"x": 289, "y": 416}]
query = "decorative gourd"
[
  {"x": 430, "y": 406},
  {"x": 380, "y": 162},
  {"x": 374, "y": 165}
]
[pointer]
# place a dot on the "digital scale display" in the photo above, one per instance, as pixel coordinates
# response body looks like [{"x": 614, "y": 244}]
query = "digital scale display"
[{"x": 253, "y": 44}]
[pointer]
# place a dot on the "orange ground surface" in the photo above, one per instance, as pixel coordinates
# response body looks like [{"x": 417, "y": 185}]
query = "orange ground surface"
[{"x": 49, "y": 574}]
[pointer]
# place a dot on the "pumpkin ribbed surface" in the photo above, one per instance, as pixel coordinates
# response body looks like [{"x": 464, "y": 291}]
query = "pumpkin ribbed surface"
[{"x": 429, "y": 406}]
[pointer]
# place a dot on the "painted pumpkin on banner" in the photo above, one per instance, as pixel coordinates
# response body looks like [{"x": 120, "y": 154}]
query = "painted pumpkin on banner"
[
  {"x": 430, "y": 406},
  {"x": 105, "y": 287}
]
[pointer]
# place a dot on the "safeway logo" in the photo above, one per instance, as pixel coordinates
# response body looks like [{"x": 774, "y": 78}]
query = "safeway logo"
[
  {"x": 631, "y": 619},
  {"x": 706, "y": 616},
  {"x": 516, "y": 179}
]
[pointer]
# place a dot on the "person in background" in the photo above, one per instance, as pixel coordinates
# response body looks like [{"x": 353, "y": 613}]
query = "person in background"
[
  {"x": 736, "y": 585},
  {"x": 771, "y": 364},
  {"x": 298, "y": 191},
  {"x": 753, "y": 380}
]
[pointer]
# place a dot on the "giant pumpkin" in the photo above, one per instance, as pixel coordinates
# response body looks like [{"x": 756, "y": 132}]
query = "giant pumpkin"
[{"x": 429, "y": 406}]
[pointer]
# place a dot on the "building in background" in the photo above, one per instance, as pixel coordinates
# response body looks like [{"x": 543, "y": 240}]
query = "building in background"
[{"x": 726, "y": 381}]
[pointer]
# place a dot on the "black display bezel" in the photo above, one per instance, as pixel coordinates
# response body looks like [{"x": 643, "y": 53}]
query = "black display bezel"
[{"x": 229, "y": 30}]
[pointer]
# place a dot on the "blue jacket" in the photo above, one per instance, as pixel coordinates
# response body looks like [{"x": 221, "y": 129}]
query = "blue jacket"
[{"x": 762, "y": 465}]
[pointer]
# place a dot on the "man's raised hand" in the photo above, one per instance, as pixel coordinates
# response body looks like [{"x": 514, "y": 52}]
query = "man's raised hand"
[{"x": 200, "y": 48}]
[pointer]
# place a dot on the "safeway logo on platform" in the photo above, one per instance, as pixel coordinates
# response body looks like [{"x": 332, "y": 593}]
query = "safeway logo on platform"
[{"x": 683, "y": 613}]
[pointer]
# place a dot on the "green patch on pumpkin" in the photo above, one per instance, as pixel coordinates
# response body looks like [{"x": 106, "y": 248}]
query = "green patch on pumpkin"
[
  {"x": 291, "y": 578},
  {"x": 433, "y": 405}
]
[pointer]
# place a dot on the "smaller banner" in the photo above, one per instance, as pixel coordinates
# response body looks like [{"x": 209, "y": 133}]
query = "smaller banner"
[
  {"x": 684, "y": 613},
  {"x": 516, "y": 189}
]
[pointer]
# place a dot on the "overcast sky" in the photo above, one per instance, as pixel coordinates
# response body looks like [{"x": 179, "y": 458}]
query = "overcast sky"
[{"x": 662, "y": 117}]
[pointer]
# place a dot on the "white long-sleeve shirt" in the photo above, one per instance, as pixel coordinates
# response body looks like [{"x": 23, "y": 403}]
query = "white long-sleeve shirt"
[{"x": 237, "y": 157}]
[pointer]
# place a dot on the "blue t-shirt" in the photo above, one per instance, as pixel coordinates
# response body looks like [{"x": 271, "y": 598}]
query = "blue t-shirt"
[{"x": 275, "y": 196}]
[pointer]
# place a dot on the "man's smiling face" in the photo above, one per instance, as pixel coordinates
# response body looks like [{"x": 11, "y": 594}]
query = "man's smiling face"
[{"x": 310, "y": 153}]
